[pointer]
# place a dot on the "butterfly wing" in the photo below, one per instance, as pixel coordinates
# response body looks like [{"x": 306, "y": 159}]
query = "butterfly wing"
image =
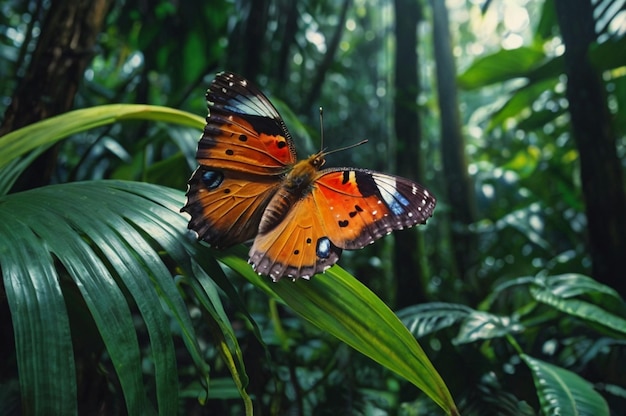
[
  {"x": 244, "y": 132},
  {"x": 362, "y": 206},
  {"x": 226, "y": 206},
  {"x": 243, "y": 154},
  {"x": 345, "y": 209},
  {"x": 296, "y": 247}
]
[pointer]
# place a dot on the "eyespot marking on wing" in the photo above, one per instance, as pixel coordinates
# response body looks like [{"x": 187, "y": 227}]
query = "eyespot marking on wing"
[
  {"x": 323, "y": 248},
  {"x": 212, "y": 179}
]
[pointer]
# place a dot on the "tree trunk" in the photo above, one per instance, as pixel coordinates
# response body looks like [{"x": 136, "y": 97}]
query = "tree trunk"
[
  {"x": 408, "y": 251},
  {"x": 600, "y": 168},
  {"x": 290, "y": 21},
  {"x": 63, "y": 51},
  {"x": 254, "y": 38},
  {"x": 329, "y": 57},
  {"x": 460, "y": 194}
]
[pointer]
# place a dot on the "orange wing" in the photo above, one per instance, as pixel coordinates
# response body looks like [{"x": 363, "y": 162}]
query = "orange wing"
[
  {"x": 243, "y": 154},
  {"x": 361, "y": 206},
  {"x": 345, "y": 209},
  {"x": 226, "y": 206},
  {"x": 296, "y": 246},
  {"x": 244, "y": 132}
]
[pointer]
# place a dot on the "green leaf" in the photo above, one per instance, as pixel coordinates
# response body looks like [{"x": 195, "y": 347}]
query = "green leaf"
[
  {"x": 608, "y": 55},
  {"x": 40, "y": 321},
  {"x": 562, "y": 392},
  {"x": 520, "y": 100},
  {"x": 342, "y": 306},
  {"x": 572, "y": 284},
  {"x": 581, "y": 309},
  {"x": 107, "y": 235},
  {"x": 483, "y": 325},
  {"x": 431, "y": 317},
  {"x": 45, "y": 133},
  {"x": 547, "y": 24},
  {"x": 501, "y": 66}
]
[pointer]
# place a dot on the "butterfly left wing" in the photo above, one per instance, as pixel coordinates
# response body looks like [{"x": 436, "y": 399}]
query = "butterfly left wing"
[
  {"x": 226, "y": 207},
  {"x": 244, "y": 132},
  {"x": 243, "y": 155},
  {"x": 345, "y": 209}
]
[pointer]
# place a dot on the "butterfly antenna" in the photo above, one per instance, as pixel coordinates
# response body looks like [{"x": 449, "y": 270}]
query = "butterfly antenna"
[
  {"x": 322, "y": 138},
  {"x": 350, "y": 146},
  {"x": 321, "y": 129}
]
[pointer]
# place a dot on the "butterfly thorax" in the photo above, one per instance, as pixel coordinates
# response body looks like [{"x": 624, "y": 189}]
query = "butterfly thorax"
[{"x": 297, "y": 184}]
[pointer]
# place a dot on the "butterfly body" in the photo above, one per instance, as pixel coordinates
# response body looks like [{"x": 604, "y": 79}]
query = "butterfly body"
[
  {"x": 296, "y": 185},
  {"x": 250, "y": 186}
]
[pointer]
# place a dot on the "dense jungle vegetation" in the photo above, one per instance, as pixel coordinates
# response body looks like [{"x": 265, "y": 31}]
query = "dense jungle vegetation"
[{"x": 509, "y": 301}]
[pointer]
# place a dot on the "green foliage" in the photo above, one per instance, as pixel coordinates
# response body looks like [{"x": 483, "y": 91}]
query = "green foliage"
[
  {"x": 113, "y": 245},
  {"x": 563, "y": 392},
  {"x": 571, "y": 321},
  {"x": 119, "y": 289}
]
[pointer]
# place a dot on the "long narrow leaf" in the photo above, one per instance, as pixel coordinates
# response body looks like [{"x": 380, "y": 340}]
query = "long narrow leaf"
[
  {"x": 581, "y": 309},
  {"x": 104, "y": 298},
  {"x": 41, "y": 326},
  {"x": 46, "y": 132},
  {"x": 100, "y": 232},
  {"x": 339, "y": 304}
]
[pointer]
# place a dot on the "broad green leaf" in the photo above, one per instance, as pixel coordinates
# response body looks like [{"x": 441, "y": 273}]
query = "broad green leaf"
[
  {"x": 520, "y": 100},
  {"x": 342, "y": 306},
  {"x": 483, "y": 325},
  {"x": 609, "y": 55},
  {"x": 572, "y": 284},
  {"x": 581, "y": 309},
  {"x": 562, "y": 392},
  {"x": 501, "y": 66},
  {"x": 537, "y": 120},
  {"x": 427, "y": 318}
]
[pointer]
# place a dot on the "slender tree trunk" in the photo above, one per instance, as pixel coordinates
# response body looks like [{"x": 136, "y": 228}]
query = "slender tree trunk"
[
  {"x": 291, "y": 17},
  {"x": 254, "y": 38},
  {"x": 63, "y": 51},
  {"x": 600, "y": 168},
  {"x": 322, "y": 69},
  {"x": 408, "y": 251},
  {"x": 460, "y": 194}
]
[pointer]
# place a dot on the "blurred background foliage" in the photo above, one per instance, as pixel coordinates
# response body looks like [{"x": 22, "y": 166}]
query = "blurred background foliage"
[{"x": 495, "y": 285}]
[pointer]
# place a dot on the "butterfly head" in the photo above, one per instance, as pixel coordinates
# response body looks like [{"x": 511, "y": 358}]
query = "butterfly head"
[{"x": 317, "y": 160}]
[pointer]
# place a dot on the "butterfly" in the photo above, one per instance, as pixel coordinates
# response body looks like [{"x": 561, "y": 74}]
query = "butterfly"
[{"x": 250, "y": 186}]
